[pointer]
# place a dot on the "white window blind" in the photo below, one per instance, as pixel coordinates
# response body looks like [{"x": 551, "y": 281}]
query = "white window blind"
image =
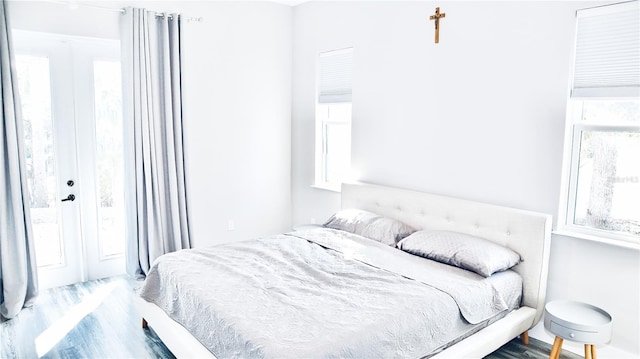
[
  {"x": 335, "y": 76},
  {"x": 607, "y": 58}
]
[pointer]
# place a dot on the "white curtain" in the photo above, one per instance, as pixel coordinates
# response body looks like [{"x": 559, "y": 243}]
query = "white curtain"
[
  {"x": 18, "y": 278},
  {"x": 156, "y": 194}
]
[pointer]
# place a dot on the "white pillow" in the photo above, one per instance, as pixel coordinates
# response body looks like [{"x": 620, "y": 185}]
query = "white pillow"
[
  {"x": 367, "y": 224},
  {"x": 461, "y": 250}
]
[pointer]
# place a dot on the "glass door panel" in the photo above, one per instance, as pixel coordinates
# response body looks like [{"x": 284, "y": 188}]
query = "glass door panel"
[
  {"x": 34, "y": 86},
  {"x": 109, "y": 157}
]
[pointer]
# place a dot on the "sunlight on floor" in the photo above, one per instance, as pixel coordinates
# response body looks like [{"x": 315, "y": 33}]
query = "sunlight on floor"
[{"x": 58, "y": 330}]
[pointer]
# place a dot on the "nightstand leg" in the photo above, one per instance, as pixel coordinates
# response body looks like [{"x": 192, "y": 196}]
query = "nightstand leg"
[
  {"x": 525, "y": 337},
  {"x": 557, "y": 347},
  {"x": 593, "y": 351},
  {"x": 587, "y": 351}
]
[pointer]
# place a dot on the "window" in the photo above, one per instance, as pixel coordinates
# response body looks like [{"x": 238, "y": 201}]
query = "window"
[
  {"x": 109, "y": 158},
  {"x": 333, "y": 119},
  {"x": 34, "y": 84},
  {"x": 602, "y": 161}
]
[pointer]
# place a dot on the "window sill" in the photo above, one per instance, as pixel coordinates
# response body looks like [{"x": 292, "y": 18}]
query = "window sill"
[
  {"x": 599, "y": 239},
  {"x": 327, "y": 187}
]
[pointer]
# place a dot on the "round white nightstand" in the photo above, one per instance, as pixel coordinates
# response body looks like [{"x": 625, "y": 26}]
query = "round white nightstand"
[{"x": 578, "y": 322}]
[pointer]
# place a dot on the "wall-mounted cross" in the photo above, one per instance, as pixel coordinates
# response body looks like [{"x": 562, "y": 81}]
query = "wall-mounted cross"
[{"x": 437, "y": 17}]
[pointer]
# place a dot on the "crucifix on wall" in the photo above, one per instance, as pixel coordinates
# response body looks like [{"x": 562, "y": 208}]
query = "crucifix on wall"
[{"x": 437, "y": 17}]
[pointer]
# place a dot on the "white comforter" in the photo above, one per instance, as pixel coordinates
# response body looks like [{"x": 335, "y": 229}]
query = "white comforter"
[{"x": 319, "y": 294}]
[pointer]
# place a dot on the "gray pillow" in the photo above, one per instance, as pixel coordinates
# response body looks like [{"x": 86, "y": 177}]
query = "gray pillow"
[
  {"x": 367, "y": 224},
  {"x": 461, "y": 250}
]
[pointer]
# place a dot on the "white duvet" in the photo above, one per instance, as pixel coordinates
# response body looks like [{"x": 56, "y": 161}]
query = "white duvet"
[{"x": 320, "y": 293}]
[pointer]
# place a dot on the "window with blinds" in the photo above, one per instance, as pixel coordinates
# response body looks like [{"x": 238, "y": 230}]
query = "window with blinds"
[
  {"x": 607, "y": 52},
  {"x": 334, "y": 80},
  {"x": 333, "y": 118},
  {"x": 601, "y": 181}
]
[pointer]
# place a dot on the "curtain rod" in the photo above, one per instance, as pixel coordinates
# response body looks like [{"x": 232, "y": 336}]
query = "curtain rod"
[{"x": 75, "y": 5}]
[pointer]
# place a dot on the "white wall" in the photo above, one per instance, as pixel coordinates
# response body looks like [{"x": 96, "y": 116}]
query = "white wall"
[
  {"x": 60, "y": 19},
  {"x": 237, "y": 106},
  {"x": 603, "y": 275},
  {"x": 238, "y": 119},
  {"x": 479, "y": 116}
]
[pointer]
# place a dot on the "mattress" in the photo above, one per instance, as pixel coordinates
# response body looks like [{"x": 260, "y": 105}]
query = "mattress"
[{"x": 324, "y": 294}]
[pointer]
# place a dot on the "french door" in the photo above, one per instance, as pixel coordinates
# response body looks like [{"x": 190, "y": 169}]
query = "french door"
[{"x": 70, "y": 92}]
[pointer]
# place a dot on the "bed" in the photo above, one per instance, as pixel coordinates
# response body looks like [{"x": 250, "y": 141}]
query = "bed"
[{"x": 526, "y": 233}]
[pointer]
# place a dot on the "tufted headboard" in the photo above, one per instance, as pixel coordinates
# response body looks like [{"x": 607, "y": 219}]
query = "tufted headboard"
[{"x": 527, "y": 233}]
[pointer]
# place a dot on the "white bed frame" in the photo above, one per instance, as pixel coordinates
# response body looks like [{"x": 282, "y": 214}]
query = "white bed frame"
[{"x": 527, "y": 233}]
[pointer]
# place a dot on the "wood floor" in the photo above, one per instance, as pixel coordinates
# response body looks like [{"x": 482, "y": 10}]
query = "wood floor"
[
  {"x": 97, "y": 319},
  {"x": 536, "y": 349},
  {"x": 94, "y": 319}
]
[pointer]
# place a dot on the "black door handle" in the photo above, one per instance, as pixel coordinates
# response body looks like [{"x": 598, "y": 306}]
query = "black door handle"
[{"x": 70, "y": 197}]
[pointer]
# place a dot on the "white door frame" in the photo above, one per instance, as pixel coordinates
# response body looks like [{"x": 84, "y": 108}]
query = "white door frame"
[
  {"x": 72, "y": 101},
  {"x": 86, "y": 52}
]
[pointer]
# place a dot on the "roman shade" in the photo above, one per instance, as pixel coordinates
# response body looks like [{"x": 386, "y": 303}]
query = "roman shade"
[
  {"x": 335, "y": 76},
  {"x": 607, "y": 58}
]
